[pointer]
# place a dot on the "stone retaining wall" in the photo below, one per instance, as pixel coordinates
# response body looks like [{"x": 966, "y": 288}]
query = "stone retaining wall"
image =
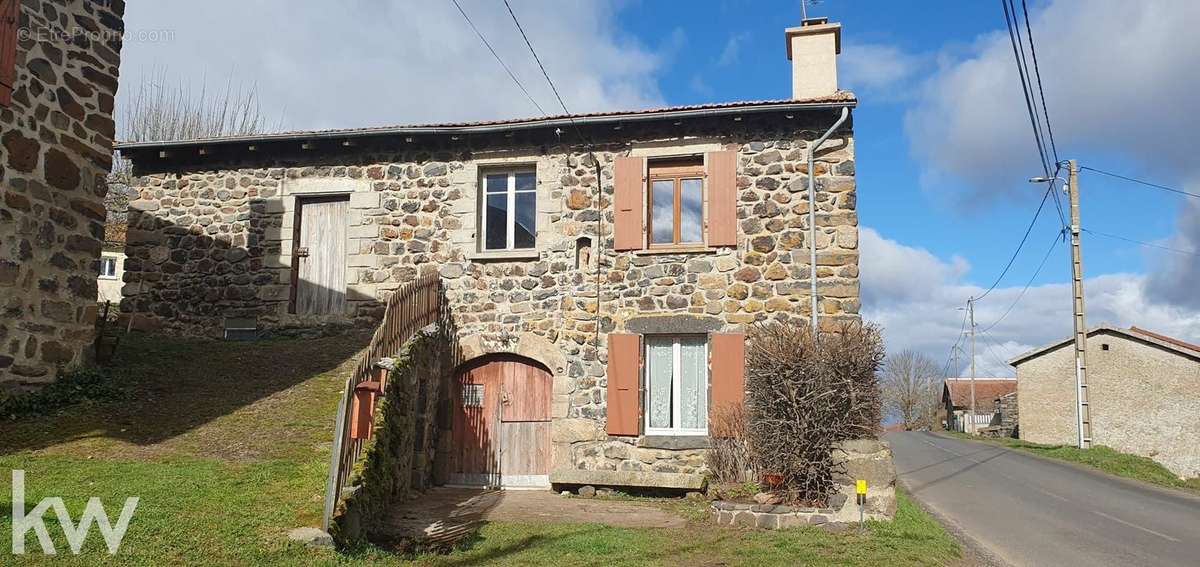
[{"x": 401, "y": 455}]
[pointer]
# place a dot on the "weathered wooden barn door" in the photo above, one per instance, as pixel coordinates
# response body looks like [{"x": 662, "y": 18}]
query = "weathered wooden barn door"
[
  {"x": 501, "y": 428},
  {"x": 319, "y": 259}
]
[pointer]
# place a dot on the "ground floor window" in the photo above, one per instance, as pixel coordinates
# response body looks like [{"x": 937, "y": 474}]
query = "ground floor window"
[
  {"x": 108, "y": 267},
  {"x": 676, "y": 385}
]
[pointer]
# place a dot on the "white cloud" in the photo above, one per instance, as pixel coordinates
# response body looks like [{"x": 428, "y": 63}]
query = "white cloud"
[
  {"x": 917, "y": 297},
  {"x": 1117, "y": 78},
  {"x": 879, "y": 70},
  {"x": 733, "y": 48},
  {"x": 1176, "y": 276},
  {"x": 346, "y": 65}
]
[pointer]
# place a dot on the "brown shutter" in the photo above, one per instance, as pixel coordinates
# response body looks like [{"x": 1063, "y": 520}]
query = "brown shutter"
[
  {"x": 623, "y": 365},
  {"x": 8, "y": 48},
  {"x": 722, "y": 198},
  {"x": 727, "y": 352},
  {"x": 629, "y": 200}
]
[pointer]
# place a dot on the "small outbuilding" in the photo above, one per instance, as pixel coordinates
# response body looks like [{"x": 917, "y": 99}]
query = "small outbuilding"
[
  {"x": 956, "y": 398},
  {"x": 1144, "y": 394}
]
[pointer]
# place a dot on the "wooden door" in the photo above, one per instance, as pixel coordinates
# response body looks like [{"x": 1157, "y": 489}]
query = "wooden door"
[
  {"x": 501, "y": 428},
  {"x": 319, "y": 259}
]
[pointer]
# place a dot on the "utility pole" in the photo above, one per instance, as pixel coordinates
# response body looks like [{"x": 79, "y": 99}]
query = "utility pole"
[
  {"x": 1082, "y": 410},
  {"x": 971, "y": 315}
]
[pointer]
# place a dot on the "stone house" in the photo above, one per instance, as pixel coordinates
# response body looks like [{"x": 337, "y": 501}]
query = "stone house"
[
  {"x": 956, "y": 399},
  {"x": 1142, "y": 391},
  {"x": 58, "y": 78},
  {"x": 112, "y": 264},
  {"x": 601, "y": 268}
]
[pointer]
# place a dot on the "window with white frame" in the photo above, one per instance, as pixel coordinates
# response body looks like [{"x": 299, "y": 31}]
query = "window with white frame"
[
  {"x": 509, "y": 210},
  {"x": 108, "y": 267},
  {"x": 676, "y": 385}
]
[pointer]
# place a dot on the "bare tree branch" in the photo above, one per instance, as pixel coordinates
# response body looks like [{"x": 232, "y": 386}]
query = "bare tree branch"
[{"x": 912, "y": 387}]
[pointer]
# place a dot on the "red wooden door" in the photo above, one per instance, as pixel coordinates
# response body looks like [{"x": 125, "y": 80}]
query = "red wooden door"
[{"x": 501, "y": 427}]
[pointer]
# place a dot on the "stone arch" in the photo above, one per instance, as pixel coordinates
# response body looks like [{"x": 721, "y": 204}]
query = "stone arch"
[{"x": 534, "y": 347}]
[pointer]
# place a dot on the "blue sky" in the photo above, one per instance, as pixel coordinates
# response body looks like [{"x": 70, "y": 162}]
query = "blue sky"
[{"x": 942, "y": 137}]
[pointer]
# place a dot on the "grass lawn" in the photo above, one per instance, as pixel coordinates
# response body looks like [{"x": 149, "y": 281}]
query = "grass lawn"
[
  {"x": 227, "y": 445},
  {"x": 1100, "y": 457}
]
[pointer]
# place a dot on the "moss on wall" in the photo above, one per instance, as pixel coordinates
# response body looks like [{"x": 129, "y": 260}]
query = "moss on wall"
[{"x": 400, "y": 454}]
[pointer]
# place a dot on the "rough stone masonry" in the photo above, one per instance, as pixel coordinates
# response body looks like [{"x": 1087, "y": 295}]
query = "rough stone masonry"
[
  {"x": 56, "y": 139},
  {"x": 211, "y": 237}
]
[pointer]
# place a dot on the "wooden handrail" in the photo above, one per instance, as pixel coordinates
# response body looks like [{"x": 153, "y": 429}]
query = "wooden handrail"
[{"x": 410, "y": 308}]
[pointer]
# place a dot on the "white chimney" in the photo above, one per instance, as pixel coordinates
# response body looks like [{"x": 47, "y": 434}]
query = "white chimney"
[{"x": 813, "y": 49}]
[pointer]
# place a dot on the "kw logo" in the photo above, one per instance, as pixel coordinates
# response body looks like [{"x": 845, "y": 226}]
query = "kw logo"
[{"x": 94, "y": 512}]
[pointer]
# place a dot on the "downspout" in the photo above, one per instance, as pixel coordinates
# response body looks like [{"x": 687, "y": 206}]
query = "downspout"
[{"x": 812, "y": 218}]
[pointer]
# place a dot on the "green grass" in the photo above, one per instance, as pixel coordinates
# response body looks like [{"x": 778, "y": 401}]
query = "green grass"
[
  {"x": 1100, "y": 457},
  {"x": 227, "y": 444}
]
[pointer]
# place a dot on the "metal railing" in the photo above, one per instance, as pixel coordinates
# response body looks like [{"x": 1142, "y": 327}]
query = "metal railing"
[{"x": 410, "y": 308}]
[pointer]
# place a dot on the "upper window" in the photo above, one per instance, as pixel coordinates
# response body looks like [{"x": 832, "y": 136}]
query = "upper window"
[
  {"x": 108, "y": 267},
  {"x": 676, "y": 385},
  {"x": 509, "y": 218},
  {"x": 676, "y": 202}
]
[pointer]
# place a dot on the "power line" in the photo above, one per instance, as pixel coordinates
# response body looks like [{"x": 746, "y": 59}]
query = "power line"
[
  {"x": 1159, "y": 246},
  {"x": 498, "y": 59},
  {"x": 1140, "y": 182},
  {"x": 1018, "y": 56},
  {"x": 989, "y": 342},
  {"x": 1036, "y": 214},
  {"x": 961, "y": 332},
  {"x": 1053, "y": 245},
  {"x": 544, "y": 73},
  {"x": 1038, "y": 73}
]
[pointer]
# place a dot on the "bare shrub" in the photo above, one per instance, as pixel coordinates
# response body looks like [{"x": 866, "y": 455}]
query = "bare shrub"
[
  {"x": 804, "y": 396},
  {"x": 728, "y": 455}
]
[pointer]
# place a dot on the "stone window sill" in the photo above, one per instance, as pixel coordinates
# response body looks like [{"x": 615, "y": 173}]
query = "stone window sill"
[
  {"x": 673, "y": 442},
  {"x": 675, "y": 250},
  {"x": 505, "y": 255}
]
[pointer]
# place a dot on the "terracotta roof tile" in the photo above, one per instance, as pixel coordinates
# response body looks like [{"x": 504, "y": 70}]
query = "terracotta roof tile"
[
  {"x": 986, "y": 391},
  {"x": 1164, "y": 338}
]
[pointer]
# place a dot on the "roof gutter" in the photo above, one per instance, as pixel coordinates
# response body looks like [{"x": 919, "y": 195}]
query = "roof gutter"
[{"x": 487, "y": 128}]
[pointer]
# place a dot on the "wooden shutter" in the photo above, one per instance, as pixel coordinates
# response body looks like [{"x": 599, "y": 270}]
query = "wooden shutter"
[
  {"x": 727, "y": 353},
  {"x": 8, "y": 48},
  {"x": 722, "y": 198},
  {"x": 624, "y": 365},
  {"x": 629, "y": 199}
]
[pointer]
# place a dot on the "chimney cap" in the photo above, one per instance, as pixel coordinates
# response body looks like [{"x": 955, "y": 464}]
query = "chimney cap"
[{"x": 815, "y": 26}]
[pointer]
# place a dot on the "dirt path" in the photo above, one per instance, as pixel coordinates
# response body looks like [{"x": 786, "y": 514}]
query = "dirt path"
[{"x": 444, "y": 513}]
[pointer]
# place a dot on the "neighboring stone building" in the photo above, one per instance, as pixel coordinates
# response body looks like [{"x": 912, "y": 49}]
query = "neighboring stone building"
[
  {"x": 956, "y": 399},
  {"x": 1143, "y": 391},
  {"x": 58, "y": 77},
  {"x": 112, "y": 265},
  {"x": 568, "y": 262}
]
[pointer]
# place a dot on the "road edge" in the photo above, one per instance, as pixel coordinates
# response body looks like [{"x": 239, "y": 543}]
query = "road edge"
[
  {"x": 974, "y": 552},
  {"x": 1081, "y": 467}
]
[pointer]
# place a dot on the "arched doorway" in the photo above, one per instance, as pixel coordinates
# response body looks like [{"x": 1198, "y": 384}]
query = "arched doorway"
[{"x": 501, "y": 423}]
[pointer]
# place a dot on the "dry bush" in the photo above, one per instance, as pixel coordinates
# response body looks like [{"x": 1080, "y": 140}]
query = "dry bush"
[
  {"x": 728, "y": 455},
  {"x": 805, "y": 396}
]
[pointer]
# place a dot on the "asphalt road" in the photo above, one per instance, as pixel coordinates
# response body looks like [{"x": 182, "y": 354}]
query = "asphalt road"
[{"x": 1026, "y": 510}]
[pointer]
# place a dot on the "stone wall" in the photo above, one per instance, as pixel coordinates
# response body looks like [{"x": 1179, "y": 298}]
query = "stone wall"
[
  {"x": 213, "y": 242},
  {"x": 858, "y": 459},
  {"x": 1143, "y": 399},
  {"x": 400, "y": 459},
  {"x": 55, "y": 151}
]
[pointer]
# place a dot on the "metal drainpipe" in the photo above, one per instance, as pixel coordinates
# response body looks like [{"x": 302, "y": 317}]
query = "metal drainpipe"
[{"x": 812, "y": 218}]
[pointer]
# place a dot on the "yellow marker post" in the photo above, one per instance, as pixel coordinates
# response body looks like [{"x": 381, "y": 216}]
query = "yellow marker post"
[{"x": 860, "y": 489}]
